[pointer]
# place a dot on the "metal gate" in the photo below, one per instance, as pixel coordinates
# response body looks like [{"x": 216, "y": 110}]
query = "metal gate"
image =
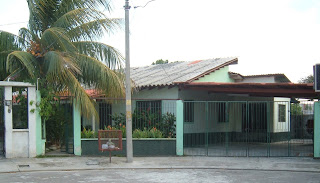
[
  {"x": 2, "y": 129},
  {"x": 247, "y": 128}
]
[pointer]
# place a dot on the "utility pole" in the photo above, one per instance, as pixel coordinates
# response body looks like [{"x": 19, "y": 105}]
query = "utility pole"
[{"x": 128, "y": 88}]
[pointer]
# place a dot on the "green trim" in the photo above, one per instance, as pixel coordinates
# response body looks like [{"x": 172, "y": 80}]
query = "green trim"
[
  {"x": 165, "y": 139},
  {"x": 39, "y": 142},
  {"x": 316, "y": 130},
  {"x": 179, "y": 128},
  {"x": 76, "y": 129}
]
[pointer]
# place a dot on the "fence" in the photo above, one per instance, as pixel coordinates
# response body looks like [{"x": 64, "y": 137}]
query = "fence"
[
  {"x": 2, "y": 121},
  {"x": 247, "y": 128},
  {"x": 150, "y": 118}
]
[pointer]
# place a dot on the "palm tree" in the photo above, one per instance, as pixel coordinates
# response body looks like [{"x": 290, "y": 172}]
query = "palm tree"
[{"x": 60, "y": 47}]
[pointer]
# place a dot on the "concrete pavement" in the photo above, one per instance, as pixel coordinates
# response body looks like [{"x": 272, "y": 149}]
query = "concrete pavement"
[{"x": 187, "y": 162}]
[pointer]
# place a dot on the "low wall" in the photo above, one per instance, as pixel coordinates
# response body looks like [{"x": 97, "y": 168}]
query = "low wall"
[{"x": 141, "y": 147}]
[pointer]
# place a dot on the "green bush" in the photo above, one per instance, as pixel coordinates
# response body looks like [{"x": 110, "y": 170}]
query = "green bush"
[
  {"x": 152, "y": 133},
  {"x": 89, "y": 133}
]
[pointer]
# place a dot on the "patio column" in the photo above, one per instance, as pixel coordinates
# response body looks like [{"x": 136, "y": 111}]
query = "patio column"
[
  {"x": 32, "y": 120},
  {"x": 316, "y": 141},
  {"x": 179, "y": 128},
  {"x": 39, "y": 141},
  {"x": 8, "y": 121},
  {"x": 76, "y": 129}
]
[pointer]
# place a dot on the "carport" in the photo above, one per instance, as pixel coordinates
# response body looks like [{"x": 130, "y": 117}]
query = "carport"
[{"x": 250, "y": 128}]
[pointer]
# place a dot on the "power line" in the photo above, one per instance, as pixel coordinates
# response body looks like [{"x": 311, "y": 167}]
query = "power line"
[{"x": 13, "y": 23}]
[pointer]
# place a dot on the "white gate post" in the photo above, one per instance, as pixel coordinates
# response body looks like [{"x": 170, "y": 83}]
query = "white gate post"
[{"x": 8, "y": 121}]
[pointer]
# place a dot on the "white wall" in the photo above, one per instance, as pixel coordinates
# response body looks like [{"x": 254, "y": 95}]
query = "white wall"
[
  {"x": 20, "y": 142},
  {"x": 270, "y": 79}
]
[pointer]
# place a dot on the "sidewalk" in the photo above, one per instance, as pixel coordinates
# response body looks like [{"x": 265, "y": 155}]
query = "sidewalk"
[{"x": 189, "y": 162}]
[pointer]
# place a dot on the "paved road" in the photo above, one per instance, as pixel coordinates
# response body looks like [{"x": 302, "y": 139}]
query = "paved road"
[{"x": 162, "y": 175}]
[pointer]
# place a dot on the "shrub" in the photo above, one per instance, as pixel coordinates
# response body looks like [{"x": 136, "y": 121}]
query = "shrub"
[{"x": 88, "y": 133}]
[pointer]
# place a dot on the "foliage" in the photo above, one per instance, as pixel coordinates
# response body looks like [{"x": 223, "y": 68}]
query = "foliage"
[
  {"x": 59, "y": 125},
  {"x": 160, "y": 61},
  {"x": 145, "y": 133},
  {"x": 21, "y": 107},
  {"x": 145, "y": 119},
  {"x": 307, "y": 79},
  {"x": 296, "y": 109},
  {"x": 89, "y": 133},
  {"x": 168, "y": 125},
  {"x": 59, "y": 48},
  {"x": 119, "y": 127}
]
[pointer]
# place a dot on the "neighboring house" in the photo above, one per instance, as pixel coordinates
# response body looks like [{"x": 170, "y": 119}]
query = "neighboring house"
[{"x": 219, "y": 106}]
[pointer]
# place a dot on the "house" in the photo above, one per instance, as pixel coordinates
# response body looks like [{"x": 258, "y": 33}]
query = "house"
[
  {"x": 200, "y": 107},
  {"x": 224, "y": 113}
]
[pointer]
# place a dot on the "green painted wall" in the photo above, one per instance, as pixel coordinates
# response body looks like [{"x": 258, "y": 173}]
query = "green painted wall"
[
  {"x": 76, "y": 129},
  {"x": 220, "y": 75},
  {"x": 141, "y": 147},
  {"x": 179, "y": 128},
  {"x": 40, "y": 144},
  {"x": 316, "y": 130}
]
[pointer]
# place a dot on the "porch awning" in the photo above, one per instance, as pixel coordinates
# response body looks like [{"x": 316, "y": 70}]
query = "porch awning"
[{"x": 291, "y": 90}]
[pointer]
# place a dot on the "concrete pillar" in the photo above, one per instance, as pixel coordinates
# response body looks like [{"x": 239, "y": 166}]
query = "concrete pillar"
[
  {"x": 179, "y": 128},
  {"x": 8, "y": 122},
  {"x": 316, "y": 141},
  {"x": 76, "y": 129},
  {"x": 32, "y": 98},
  {"x": 39, "y": 142}
]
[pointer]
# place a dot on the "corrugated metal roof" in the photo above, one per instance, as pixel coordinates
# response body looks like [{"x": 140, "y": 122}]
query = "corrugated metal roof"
[{"x": 168, "y": 74}]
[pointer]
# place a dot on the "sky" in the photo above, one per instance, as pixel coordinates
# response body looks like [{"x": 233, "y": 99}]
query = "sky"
[{"x": 268, "y": 36}]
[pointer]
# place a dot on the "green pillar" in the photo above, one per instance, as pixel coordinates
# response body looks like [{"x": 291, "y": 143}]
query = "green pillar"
[
  {"x": 76, "y": 129},
  {"x": 40, "y": 144},
  {"x": 179, "y": 128},
  {"x": 316, "y": 130}
]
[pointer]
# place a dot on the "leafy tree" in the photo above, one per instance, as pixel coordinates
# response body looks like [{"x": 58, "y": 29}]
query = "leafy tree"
[
  {"x": 308, "y": 79},
  {"x": 160, "y": 62},
  {"x": 60, "y": 47}
]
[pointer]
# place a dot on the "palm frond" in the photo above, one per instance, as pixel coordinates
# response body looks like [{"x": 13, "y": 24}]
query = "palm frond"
[
  {"x": 9, "y": 41},
  {"x": 27, "y": 35},
  {"x": 67, "y": 5},
  {"x": 98, "y": 75},
  {"x": 62, "y": 77},
  {"x": 103, "y": 52},
  {"x": 55, "y": 38},
  {"x": 95, "y": 29},
  {"x": 77, "y": 17},
  {"x": 21, "y": 59}
]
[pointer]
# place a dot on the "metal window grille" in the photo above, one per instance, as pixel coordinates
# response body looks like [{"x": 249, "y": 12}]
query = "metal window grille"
[
  {"x": 188, "y": 111},
  {"x": 105, "y": 114},
  {"x": 221, "y": 112},
  {"x": 282, "y": 113}
]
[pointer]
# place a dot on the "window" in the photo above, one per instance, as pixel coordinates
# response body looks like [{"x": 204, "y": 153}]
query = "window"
[
  {"x": 188, "y": 111},
  {"x": 20, "y": 108},
  {"x": 221, "y": 112},
  {"x": 149, "y": 106},
  {"x": 105, "y": 115},
  {"x": 282, "y": 113}
]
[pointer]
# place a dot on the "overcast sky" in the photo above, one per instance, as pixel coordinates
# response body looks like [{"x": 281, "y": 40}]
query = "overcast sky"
[{"x": 268, "y": 36}]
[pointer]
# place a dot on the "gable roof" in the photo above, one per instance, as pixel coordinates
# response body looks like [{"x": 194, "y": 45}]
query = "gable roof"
[{"x": 177, "y": 72}]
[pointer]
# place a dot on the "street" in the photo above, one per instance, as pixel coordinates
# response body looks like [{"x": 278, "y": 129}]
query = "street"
[{"x": 162, "y": 175}]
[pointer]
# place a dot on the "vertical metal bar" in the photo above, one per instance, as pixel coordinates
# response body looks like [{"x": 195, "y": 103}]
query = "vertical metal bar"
[
  {"x": 226, "y": 117},
  {"x": 207, "y": 126},
  {"x": 247, "y": 127},
  {"x": 289, "y": 127},
  {"x": 268, "y": 127}
]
